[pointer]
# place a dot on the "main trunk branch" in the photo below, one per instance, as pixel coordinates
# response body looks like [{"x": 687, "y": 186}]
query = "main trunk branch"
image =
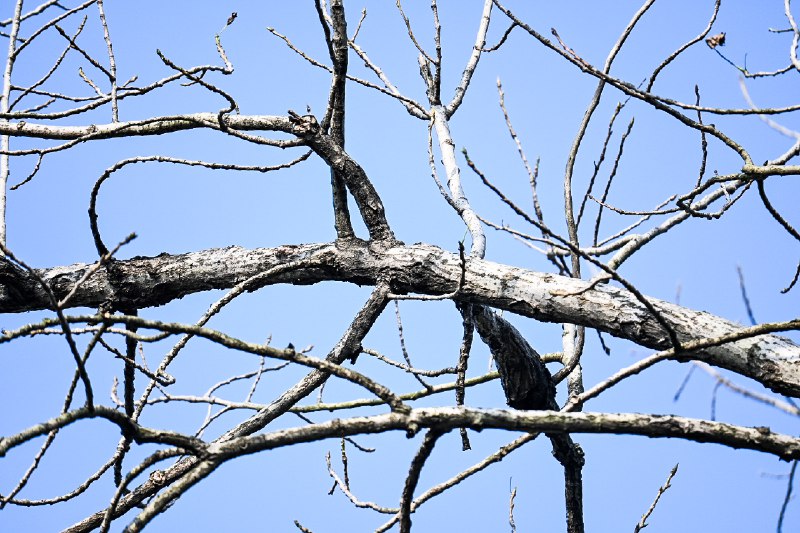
[{"x": 146, "y": 282}]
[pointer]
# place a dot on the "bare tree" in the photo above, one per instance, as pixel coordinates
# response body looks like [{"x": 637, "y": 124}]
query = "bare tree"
[{"x": 583, "y": 240}]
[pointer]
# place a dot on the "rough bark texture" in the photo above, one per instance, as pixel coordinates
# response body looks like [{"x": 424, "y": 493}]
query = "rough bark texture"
[
  {"x": 526, "y": 382},
  {"x": 447, "y": 418},
  {"x": 761, "y": 439},
  {"x": 528, "y": 385},
  {"x": 143, "y": 282},
  {"x": 152, "y": 126}
]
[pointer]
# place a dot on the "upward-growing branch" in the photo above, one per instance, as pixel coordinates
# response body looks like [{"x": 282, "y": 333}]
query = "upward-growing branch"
[
  {"x": 335, "y": 114},
  {"x": 4, "y": 107}
]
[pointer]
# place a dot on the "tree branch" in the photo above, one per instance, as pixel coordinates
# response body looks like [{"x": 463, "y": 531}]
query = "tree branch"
[
  {"x": 144, "y": 282},
  {"x": 761, "y": 439}
]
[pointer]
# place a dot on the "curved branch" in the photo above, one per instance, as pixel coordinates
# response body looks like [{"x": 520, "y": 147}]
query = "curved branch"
[
  {"x": 308, "y": 131},
  {"x": 139, "y": 433},
  {"x": 662, "y": 104},
  {"x": 144, "y": 282}
]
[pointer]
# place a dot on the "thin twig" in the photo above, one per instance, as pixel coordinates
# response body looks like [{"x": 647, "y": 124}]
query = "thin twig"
[
  {"x": 112, "y": 69},
  {"x": 745, "y": 299},
  {"x": 401, "y": 337},
  {"x": 511, "y": 510},
  {"x": 412, "y": 479},
  {"x": 5, "y": 170},
  {"x": 788, "y": 496},
  {"x": 463, "y": 360},
  {"x": 643, "y": 522},
  {"x": 747, "y": 393}
]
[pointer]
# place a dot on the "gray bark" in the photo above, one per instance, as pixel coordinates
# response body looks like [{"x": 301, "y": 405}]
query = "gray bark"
[{"x": 150, "y": 281}]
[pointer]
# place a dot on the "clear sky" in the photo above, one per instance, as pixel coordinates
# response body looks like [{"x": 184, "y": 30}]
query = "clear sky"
[{"x": 177, "y": 210}]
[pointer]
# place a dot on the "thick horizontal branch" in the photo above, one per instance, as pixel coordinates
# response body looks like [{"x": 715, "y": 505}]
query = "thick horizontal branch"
[
  {"x": 151, "y": 126},
  {"x": 150, "y": 281},
  {"x": 441, "y": 418},
  {"x": 446, "y": 418}
]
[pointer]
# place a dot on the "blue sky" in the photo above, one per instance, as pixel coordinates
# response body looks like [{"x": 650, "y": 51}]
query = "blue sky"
[{"x": 177, "y": 210}]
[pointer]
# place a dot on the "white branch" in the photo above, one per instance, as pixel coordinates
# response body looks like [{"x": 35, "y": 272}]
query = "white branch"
[
  {"x": 472, "y": 63},
  {"x": 459, "y": 200}
]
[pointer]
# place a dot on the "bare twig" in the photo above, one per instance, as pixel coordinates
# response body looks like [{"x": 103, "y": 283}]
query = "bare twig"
[
  {"x": 411, "y": 33},
  {"x": 747, "y": 393},
  {"x": 4, "y": 108},
  {"x": 403, "y": 349},
  {"x": 745, "y": 299},
  {"x": 472, "y": 63},
  {"x": 788, "y": 496},
  {"x": 643, "y": 522},
  {"x": 463, "y": 360},
  {"x": 511, "y": 510},
  {"x": 599, "y": 162},
  {"x": 610, "y": 180},
  {"x": 684, "y": 47},
  {"x": 335, "y": 112},
  {"x": 422, "y": 455},
  {"x": 112, "y": 69}
]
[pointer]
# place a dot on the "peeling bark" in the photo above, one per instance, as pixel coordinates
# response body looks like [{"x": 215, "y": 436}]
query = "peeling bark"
[{"x": 143, "y": 282}]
